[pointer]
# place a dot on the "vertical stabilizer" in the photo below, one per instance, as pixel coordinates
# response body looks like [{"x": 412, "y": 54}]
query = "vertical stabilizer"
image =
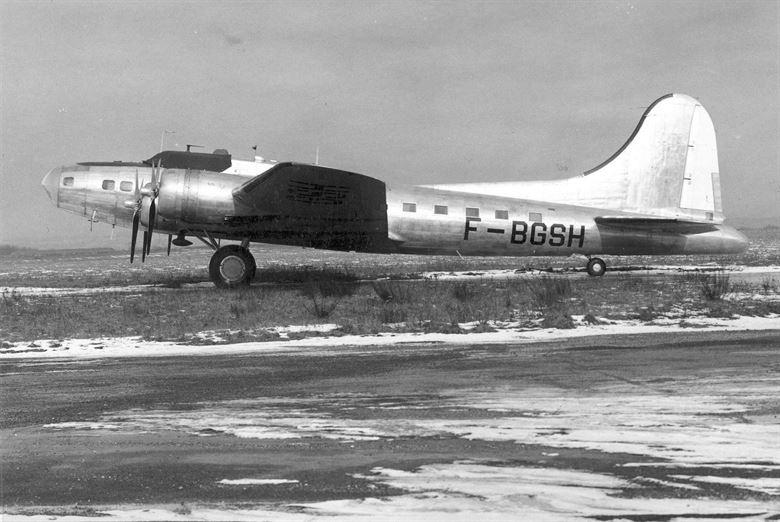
[
  {"x": 668, "y": 168},
  {"x": 669, "y": 165}
]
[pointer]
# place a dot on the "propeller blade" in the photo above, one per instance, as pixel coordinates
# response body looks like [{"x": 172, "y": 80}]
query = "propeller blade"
[
  {"x": 152, "y": 215},
  {"x": 170, "y": 240},
  {"x": 134, "y": 236},
  {"x": 143, "y": 247}
]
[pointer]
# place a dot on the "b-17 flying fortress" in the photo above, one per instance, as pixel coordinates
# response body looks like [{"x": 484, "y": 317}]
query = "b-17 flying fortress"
[{"x": 658, "y": 194}]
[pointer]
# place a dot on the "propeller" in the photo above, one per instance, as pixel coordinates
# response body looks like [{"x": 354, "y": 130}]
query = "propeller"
[
  {"x": 151, "y": 191},
  {"x": 145, "y": 211},
  {"x": 136, "y": 205}
]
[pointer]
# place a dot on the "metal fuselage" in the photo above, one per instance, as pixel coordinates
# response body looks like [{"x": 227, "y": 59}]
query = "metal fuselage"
[{"x": 420, "y": 220}]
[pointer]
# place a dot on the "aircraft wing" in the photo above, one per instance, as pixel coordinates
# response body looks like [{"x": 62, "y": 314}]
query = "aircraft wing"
[{"x": 314, "y": 205}]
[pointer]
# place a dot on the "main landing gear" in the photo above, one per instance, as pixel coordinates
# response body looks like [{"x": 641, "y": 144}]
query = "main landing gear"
[
  {"x": 596, "y": 266},
  {"x": 232, "y": 266}
]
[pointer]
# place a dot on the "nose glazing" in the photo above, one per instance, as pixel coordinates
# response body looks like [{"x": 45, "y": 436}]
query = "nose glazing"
[{"x": 51, "y": 183}]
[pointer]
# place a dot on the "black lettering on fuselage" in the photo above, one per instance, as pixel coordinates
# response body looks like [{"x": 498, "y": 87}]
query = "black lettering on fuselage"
[
  {"x": 538, "y": 237},
  {"x": 469, "y": 228},
  {"x": 557, "y": 235},
  {"x": 537, "y": 233},
  {"x": 519, "y": 234},
  {"x": 580, "y": 236}
]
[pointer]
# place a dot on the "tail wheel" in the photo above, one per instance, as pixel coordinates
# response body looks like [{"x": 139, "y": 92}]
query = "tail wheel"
[
  {"x": 232, "y": 266},
  {"x": 596, "y": 267}
]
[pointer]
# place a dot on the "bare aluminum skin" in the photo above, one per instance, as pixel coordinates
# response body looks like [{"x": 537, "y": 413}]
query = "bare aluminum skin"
[{"x": 658, "y": 194}]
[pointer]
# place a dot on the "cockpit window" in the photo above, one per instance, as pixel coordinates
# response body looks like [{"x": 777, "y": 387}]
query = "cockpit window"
[
  {"x": 108, "y": 184},
  {"x": 67, "y": 182},
  {"x": 126, "y": 186}
]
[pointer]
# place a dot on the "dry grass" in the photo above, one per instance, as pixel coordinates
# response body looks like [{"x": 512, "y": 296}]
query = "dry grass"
[
  {"x": 370, "y": 307},
  {"x": 714, "y": 286}
]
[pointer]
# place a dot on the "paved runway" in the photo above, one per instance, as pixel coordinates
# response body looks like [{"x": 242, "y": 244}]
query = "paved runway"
[{"x": 651, "y": 427}]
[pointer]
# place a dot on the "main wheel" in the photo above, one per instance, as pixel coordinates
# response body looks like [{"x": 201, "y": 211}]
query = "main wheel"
[
  {"x": 232, "y": 266},
  {"x": 596, "y": 267}
]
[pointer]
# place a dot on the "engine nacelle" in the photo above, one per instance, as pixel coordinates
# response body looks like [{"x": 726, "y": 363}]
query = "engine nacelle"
[{"x": 197, "y": 196}]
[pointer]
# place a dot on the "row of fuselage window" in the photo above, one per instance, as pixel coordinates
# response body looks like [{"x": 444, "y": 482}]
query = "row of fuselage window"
[
  {"x": 471, "y": 212},
  {"x": 127, "y": 186},
  {"x": 108, "y": 184}
]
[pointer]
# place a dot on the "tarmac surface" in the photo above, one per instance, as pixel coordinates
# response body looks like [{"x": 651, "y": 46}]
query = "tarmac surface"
[{"x": 653, "y": 427}]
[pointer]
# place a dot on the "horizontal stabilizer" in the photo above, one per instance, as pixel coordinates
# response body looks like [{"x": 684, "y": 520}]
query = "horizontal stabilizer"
[{"x": 655, "y": 224}]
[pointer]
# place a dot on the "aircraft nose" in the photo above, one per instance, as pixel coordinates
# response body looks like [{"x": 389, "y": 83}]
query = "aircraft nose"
[{"x": 51, "y": 183}]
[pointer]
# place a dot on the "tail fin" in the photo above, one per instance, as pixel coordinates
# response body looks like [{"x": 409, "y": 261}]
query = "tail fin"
[{"x": 668, "y": 167}]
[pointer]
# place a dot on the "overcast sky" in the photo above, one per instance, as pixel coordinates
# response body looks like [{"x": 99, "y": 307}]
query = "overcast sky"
[{"x": 409, "y": 92}]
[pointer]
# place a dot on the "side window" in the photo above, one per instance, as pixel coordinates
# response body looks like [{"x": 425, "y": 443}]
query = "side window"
[
  {"x": 126, "y": 186},
  {"x": 440, "y": 209},
  {"x": 535, "y": 217},
  {"x": 410, "y": 207},
  {"x": 472, "y": 212},
  {"x": 67, "y": 182},
  {"x": 502, "y": 214},
  {"x": 108, "y": 184}
]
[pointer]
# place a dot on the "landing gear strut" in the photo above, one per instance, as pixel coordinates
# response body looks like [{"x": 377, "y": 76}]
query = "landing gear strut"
[
  {"x": 232, "y": 266},
  {"x": 596, "y": 267}
]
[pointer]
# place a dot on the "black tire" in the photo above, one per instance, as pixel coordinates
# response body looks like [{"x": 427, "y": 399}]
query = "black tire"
[
  {"x": 596, "y": 267},
  {"x": 232, "y": 266}
]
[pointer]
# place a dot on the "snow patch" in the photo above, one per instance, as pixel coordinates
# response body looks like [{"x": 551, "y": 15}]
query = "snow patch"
[
  {"x": 256, "y": 482},
  {"x": 506, "y": 333},
  {"x": 768, "y": 485},
  {"x": 474, "y": 491}
]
